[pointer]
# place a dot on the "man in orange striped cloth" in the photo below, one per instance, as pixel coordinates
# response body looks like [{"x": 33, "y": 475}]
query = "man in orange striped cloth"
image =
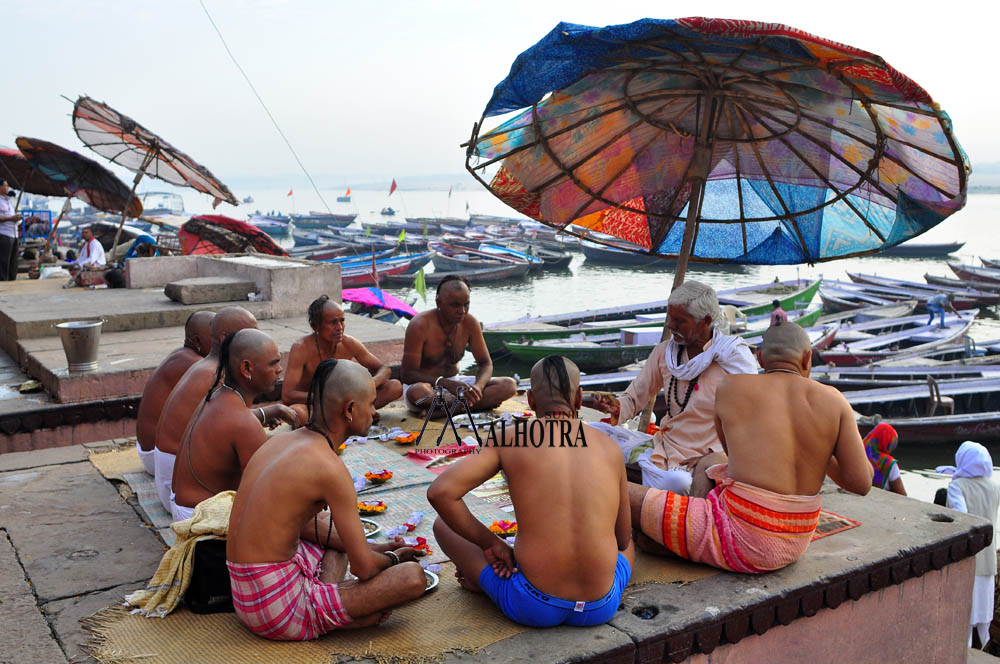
[{"x": 783, "y": 433}]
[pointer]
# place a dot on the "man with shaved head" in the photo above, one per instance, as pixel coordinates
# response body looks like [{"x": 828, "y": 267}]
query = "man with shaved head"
[
  {"x": 434, "y": 344},
  {"x": 296, "y": 508},
  {"x": 225, "y": 431},
  {"x": 783, "y": 433},
  {"x": 189, "y": 393},
  {"x": 328, "y": 340},
  {"x": 559, "y": 473},
  {"x": 197, "y": 344}
]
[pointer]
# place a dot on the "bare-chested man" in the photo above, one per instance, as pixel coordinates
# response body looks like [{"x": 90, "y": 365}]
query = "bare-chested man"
[
  {"x": 197, "y": 344},
  {"x": 574, "y": 573},
  {"x": 189, "y": 393},
  {"x": 329, "y": 340},
  {"x": 783, "y": 433},
  {"x": 283, "y": 566},
  {"x": 434, "y": 345},
  {"x": 225, "y": 431}
]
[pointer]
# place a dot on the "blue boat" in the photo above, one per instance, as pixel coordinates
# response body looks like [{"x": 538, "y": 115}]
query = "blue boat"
[{"x": 537, "y": 264}]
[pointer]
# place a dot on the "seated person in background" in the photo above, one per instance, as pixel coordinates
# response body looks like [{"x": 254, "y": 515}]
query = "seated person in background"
[
  {"x": 92, "y": 253},
  {"x": 434, "y": 345},
  {"x": 783, "y": 433},
  {"x": 225, "y": 431},
  {"x": 197, "y": 344},
  {"x": 574, "y": 573},
  {"x": 778, "y": 314},
  {"x": 188, "y": 394},
  {"x": 280, "y": 515},
  {"x": 328, "y": 341},
  {"x": 879, "y": 444}
]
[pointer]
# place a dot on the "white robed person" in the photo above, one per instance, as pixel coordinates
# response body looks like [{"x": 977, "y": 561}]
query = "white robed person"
[
  {"x": 974, "y": 490},
  {"x": 688, "y": 367}
]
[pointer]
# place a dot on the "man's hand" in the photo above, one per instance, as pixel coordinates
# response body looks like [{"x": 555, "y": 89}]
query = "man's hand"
[
  {"x": 277, "y": 413},
  {"x": 407, "y": 553},
  {"x": 472, "y": 393},
  {"x": 607, "y": 403},
  {"x": 500, "y": 556}
]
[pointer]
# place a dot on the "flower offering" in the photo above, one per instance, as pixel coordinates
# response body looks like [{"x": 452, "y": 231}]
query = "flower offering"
[
  {"x": 378, "y": 476},
  {"x": 504, "y": 528},
  {"x": 371, "y": 507}
]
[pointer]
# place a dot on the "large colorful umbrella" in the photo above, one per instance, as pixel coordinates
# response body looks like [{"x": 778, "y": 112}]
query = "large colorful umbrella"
[
  {"x": 722, "y": 140},
  {"x": 23, "y": 176},
  {"x": 79, "y": 176},
  {"x": 376, "y": 297},
  {"x": 216, "y": 234},
  {"x": 126, "y": 142}
]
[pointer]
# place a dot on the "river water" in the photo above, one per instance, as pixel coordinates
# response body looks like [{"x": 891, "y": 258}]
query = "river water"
[{"x": 589, "y": 286}]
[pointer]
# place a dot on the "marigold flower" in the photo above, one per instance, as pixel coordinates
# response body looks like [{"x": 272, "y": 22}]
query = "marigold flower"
[
  {"x": 504, "y": 528},
  {"x": 407, "y": 438},
  {"x": 371, "y": 507},
  {"x": 378, "y": 476}
]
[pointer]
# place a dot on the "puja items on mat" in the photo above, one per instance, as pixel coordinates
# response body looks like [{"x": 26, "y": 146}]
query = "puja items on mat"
[
  {"x": 371, "y": 507},
  {"x": 504, "y": 528},
  {"x": 522, "y": 415},
  {"x": 408, "y": 526},
  {"x": 378, "y": 476},
  {"x": 407, "y": 438}
]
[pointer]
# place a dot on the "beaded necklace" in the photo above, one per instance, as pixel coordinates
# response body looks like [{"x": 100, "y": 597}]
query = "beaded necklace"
[{"x": 673, "y": 388}]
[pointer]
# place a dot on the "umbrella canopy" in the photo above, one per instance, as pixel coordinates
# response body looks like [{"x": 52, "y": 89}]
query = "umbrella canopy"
[
  {"x": 124, "y": 141},
  {"x": 722, "y": 140},
  {"x": 20, "y": 174},
  {"x": 376, "y": 297},
  {"x": 216, "y": 234},
  {"x": 79, "y": 176}
]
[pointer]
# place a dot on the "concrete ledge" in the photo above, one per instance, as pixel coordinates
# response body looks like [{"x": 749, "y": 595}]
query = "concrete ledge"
[{"x": 201, "y": 290}]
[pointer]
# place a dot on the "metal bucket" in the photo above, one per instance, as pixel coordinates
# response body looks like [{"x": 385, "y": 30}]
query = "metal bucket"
[{"x": 80, "y": 339}]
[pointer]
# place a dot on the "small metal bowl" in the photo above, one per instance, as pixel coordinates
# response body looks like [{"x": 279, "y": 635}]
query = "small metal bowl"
[
  {"x": 432, "y": 581},
  {"x": 371, "y": 528}
]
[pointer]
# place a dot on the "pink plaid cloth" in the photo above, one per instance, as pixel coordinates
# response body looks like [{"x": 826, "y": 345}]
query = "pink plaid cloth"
[{"x": 287, "y": 601}]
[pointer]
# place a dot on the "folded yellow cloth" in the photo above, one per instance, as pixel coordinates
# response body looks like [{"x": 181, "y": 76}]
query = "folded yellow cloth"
[{"x": 164, "y": 591}]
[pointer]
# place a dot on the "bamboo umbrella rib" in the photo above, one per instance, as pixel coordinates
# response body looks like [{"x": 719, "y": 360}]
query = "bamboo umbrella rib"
[
  {"x": 918, "y": 148},
  {"x": 908, "y": 109},
  {"x": 774, "y": 189},
  {"x": 739, "y": 185}
]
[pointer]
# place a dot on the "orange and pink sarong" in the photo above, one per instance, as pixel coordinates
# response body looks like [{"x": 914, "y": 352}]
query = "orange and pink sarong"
[
  {"x": 286, "y": 601},
  {"x": 736, "y": 527}
]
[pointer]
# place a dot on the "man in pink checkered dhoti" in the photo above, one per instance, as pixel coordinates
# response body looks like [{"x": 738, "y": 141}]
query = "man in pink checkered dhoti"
[
  {"x": 283, "y": 545},
  {"x": 783, "y": 433}
]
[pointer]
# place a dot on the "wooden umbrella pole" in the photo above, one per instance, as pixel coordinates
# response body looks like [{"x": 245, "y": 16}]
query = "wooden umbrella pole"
[
  {"x": 697, "y": 175},
  {"x": 128, "y": 201},
  {"x": 52, "y": 233}
]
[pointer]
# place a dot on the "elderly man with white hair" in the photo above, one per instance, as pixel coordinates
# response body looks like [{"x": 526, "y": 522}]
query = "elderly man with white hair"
[{"x": 688, "y": 367}]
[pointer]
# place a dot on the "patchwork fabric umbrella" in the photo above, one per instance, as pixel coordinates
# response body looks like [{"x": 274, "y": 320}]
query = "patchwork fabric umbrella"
[
  {"x": 216, "y": 234},
  {"x": 25, "y": 177},
  {"x": 719, "y": 140},
  {"x": 376, "y": 297},
  {"x": 124, "y": 141}
]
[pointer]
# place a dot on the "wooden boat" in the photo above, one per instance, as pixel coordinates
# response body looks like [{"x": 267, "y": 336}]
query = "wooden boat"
[
  {"x": 320, "y": 252},
  {"x": 820, "y": 336},
  {"x": 975, "y": 284},
  {"x": 449, "y": 258},
  {"x": 865, "y": 314},
  {"x": 868, "y": 377},
  {"x": 879, "y": 340},
  {"x": 484, "y": 276},
  {"x": 358, "y": 255},
  {"x": 599, "y": 253},
  {"x": 922, "y": 291},
  {"x": 922, "y": 249},
  {"x": 976, "y": 417},
  {"x": 553, "y": 258},
  {"x": 322, "y": 220},
  {"x": 990, "y": 263},
  {"x": 886, "y": 294},
  {"x": 497, "y": 335},
  {"x": 536, "y": 263},
  {"x": 973, "y": 272},
  {"x": 357, "y": 276},
  {"x": 836, "y": 299}
]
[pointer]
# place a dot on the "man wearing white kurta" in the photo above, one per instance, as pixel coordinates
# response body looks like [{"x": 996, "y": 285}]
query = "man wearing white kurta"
[{"x": 92, "y": 253}]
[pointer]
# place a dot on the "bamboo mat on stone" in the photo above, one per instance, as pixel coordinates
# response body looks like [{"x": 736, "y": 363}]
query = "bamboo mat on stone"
[
  {"x": 397, "y": 415},
  {"x": 446, "y": 619},
  {"x": 372, "y": 455},
  {"x": 114, "y": 464}
]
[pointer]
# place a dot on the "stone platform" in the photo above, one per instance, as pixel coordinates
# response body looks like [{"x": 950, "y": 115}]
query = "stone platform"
[{"x": 73, "y": 546}]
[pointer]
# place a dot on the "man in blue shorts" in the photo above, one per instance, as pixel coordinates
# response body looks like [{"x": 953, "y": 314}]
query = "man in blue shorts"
[{"x": 573, "y": 554}]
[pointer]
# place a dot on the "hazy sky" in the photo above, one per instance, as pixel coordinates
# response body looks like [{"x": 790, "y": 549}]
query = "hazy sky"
[{"x": 369, "y": 90}]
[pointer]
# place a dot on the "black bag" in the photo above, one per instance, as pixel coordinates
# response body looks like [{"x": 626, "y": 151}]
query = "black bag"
[{"x": 209, "y": 590}]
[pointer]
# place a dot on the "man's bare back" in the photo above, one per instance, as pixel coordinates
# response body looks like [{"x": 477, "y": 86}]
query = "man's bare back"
[
  {"x": 182, "y": 403},
  {"x": 157, "y": 391},
  {"x": 785, "y": 432}
]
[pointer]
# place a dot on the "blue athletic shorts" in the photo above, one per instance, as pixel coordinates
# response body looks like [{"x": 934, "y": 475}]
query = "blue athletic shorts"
[{"x": 523, "y": 603}]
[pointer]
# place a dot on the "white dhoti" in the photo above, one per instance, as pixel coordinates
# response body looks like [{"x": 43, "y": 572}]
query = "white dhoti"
[
  {"x": 638, "y": 448},
  {"x": 164, "y": 474},
  {"x": 148, "y": 459}
]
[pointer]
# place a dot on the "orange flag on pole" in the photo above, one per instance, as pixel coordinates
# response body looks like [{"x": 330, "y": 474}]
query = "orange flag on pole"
[
  {"x": 348, "y": 192},
  {"x": 289, "y": 192},
  {"x": 393, "y": 187}
]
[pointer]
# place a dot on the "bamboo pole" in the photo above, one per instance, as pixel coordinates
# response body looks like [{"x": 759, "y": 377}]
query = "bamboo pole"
[{"x": 128, "y": 201}]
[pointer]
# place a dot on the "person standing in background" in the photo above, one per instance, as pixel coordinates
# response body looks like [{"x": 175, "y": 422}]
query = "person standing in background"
[{"x": 8, "y": 234}]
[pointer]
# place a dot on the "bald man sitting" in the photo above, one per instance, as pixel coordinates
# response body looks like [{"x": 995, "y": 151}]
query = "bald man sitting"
[
  {"x": 573, "y": 573},
  {"x": 197, "y": 344},
  {"x": 280, "y": 514},
  {"x": 189, "y": 393},
  {"x": 783, "y": 433},
  {"x": 434, "y": 344},
  {"x": 329, "y": 341},
  {"x": 225, "y": 432}
]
